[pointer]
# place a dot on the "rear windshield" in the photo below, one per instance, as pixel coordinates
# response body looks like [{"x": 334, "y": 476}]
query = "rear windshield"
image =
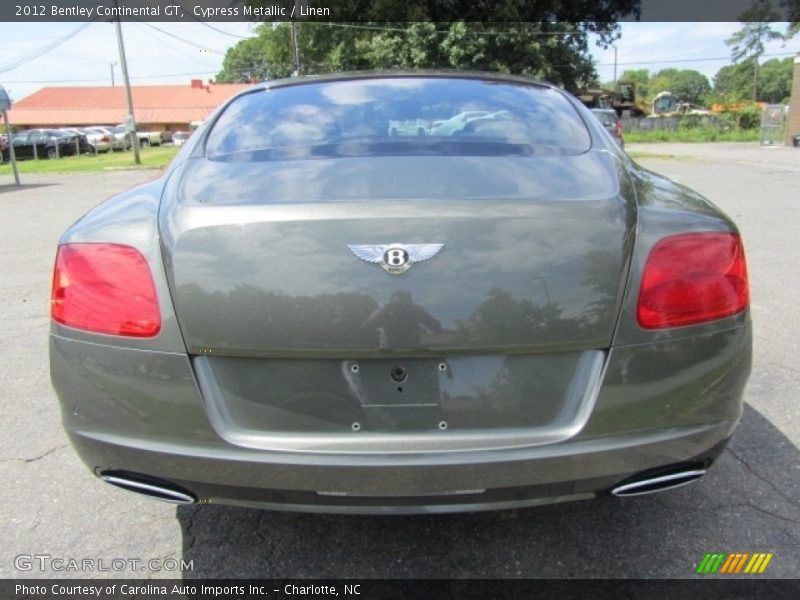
[
  {"x": 397, "y": 116},
  {"x": 606, "y": 118}
]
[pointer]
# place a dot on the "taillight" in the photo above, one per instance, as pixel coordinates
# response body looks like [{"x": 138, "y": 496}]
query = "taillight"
[
  {"x": 692, "y": 278},
  {"x": 104, "y": 288}
]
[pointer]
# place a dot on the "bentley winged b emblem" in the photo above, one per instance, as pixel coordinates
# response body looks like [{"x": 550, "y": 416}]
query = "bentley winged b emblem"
[{"x": 395, "y": 258}]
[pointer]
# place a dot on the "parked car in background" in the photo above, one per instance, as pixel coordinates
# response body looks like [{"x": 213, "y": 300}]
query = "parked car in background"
[
  {"x": 47, "y": 143},
  {"x": 179, "y": 137},
  {"x": 150, "y": 138},
  {"x": 307, "y": 313},
  {"x": 115, "y": 143},
  {"x": 98, "y": 140},
  {"x": 610, "y": 120},
  {"x": 122, "y": 136}
]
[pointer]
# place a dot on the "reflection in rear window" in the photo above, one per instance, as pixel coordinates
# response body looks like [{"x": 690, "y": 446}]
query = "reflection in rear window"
[{"x": 397, "y": 116}]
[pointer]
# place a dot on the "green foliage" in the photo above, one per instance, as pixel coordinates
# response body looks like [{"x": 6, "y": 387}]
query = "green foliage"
[
  {"x": 152, "y": 158},
  {"x": 697, "y": 134},
  {"x": 687, "y": 84},
  {"x": 555, "y": 52},
  {"x": 748, "y": 42},
  {"x": 690, "y": 86},
  {"x": 775, "y": 80},
  {"x": 690, "y": 122},
  {"x": 734, "y": 83},
  {"x": 641, "y": 77},
  {"x": 756, "y": 29},
  {"x": 793, "y": 13},
  {"x": 748, "y": 118}
]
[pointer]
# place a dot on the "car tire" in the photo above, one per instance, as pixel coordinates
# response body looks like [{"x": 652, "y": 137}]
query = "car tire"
[
  {"x": 144, "y": 143},
  {"x": 51, "y": 153}
]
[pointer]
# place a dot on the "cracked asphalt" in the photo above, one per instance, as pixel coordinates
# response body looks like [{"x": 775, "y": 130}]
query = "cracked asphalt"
[{"x": 51, "y": 505}]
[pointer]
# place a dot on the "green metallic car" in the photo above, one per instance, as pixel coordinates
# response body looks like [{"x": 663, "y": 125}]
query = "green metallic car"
[{"x": 308, "y": 313}]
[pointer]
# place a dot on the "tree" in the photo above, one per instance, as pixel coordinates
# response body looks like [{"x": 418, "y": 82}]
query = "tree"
[
  {"x": 641, "y": 77},
  {"x": 793, "y": 14},
  {"x": 546, "y": 39},
  {"x": 775, "y": 79},
  {"x": 690, "y": 86},
  {"x": 686, "y": 84},
  {"x": 748, "y": 42},
  {"x": 733, "y": 83},
  {"x": 555, "y": 52},
  {"x": 245, "y": 62}
]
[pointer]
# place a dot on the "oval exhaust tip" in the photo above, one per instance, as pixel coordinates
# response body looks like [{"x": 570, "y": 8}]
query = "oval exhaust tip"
[
  {"x": 651, "y": 485},
  {"x": 158, "y": 491}
]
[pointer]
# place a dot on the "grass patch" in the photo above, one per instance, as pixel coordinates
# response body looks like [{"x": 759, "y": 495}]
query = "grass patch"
[
  {"x": 635, "y": 154},
  {"x": 693, "y": 135},
  {"x": 152, "y": 158}
]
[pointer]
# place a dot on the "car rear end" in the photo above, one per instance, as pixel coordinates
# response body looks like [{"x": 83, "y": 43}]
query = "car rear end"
[
  {"x": 611, "y": 122},
  {"x": 97, "y": 139},
  {"x": 122, "y": 138},
  {"x": 218, "y": 337}
]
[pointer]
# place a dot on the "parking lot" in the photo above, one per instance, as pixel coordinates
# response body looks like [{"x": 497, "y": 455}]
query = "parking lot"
[{"x": 750, "y": 502}]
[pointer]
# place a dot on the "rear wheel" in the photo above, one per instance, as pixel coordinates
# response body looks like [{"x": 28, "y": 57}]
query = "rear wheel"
[
  {"x": 144, "y": 143},
  {"x": 51, "y": 153}
]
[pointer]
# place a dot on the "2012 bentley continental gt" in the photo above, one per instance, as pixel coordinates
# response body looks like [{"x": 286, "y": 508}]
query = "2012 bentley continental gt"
[{"x": 418, "y": 292}]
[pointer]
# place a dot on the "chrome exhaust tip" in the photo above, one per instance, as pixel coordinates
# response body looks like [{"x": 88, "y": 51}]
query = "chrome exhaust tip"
[
  {"x": 652, "y": 484},
  {"x": 158, "y": 490}
]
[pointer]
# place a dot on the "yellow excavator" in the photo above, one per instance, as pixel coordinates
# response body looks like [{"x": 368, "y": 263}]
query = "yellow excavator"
[{"x": 622, "y": 99}]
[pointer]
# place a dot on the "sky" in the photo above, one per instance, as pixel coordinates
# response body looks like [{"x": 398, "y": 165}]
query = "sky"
[{"x": 174, "y": 53}]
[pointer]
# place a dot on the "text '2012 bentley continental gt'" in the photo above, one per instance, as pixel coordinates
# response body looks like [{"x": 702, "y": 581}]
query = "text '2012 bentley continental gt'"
[{"x": 326, "y": 303}]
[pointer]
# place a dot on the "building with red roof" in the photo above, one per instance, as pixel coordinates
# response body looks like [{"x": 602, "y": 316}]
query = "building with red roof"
[{"x": 157, "y": 107}]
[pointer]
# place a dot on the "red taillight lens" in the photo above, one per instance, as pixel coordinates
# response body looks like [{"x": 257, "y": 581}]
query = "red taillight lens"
[
  {"x": 105, "y": 288},
  {"x": 692, "y": 278}
]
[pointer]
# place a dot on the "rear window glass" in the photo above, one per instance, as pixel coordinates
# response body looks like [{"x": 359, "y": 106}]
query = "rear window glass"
[
  {"x": 605, "y": 118},
  {"x": 397, "y": 116}
]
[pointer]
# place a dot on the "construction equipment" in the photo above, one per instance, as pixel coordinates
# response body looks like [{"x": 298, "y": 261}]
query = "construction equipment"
[
  {"x": 666, "y": 104},
  {"x": 622, "y": 99}
]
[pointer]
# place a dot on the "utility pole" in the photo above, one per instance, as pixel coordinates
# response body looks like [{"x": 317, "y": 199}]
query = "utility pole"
[
  {"x": 124, "y": 64},
  {"x": 296, "y": 40},
  {"x": 112, "y": 65},
  {"x": 5, "y": 106},
  {"x": 615, "y": 67}
]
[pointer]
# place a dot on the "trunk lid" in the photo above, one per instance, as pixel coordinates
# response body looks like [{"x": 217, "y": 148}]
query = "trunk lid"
[{"x": 534, "y": 257}]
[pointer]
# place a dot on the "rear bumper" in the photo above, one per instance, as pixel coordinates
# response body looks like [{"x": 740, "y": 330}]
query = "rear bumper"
[
  {"x": 660, "y": 404},
  {"x": 427, "y": 484}
]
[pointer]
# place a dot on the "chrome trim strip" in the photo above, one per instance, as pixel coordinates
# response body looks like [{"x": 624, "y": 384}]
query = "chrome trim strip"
[
  {"x": 687, "y": 476},
  {"x": 165, "y": 494},
  {"x": 579, "y": 402}
]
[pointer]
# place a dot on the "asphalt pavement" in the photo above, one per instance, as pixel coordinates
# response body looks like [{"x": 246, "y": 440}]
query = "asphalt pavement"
[{"x": 51, "y": 505}]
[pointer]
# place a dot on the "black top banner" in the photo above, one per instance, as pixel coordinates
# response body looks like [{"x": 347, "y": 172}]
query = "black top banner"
[{"x": 366, "y": 11}]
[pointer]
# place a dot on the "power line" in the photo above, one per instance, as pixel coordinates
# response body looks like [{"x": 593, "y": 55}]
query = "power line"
[
  {"x": 179, "y": 38},
  {"x": 42, "y": 50},
  {"x": 440, "y": 31},
  {"x": 48, "y": 37},
  {"x": 174, "y": 49},
  {"x": 199, "y": 20},
  {"x": 229, "y": 34},
  {"x": 685, "y": 60},
  {"x": 143, "y": 77}
]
